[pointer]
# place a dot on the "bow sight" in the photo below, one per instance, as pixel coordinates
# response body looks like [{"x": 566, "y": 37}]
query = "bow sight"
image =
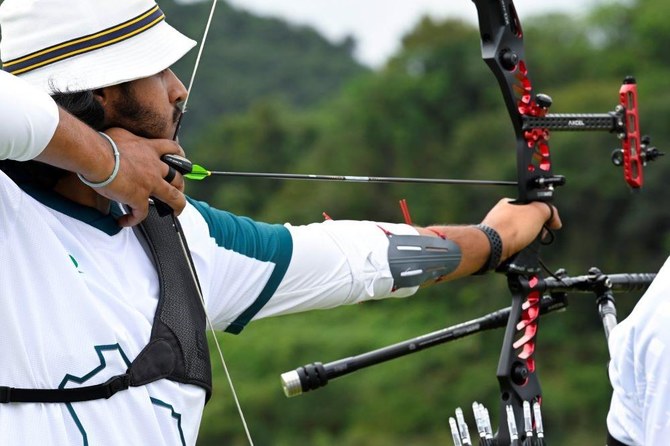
[{"x": 622, "y": 121}]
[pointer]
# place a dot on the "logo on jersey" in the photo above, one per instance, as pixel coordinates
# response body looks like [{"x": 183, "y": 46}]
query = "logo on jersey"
[{"x": 76, "y": 264}]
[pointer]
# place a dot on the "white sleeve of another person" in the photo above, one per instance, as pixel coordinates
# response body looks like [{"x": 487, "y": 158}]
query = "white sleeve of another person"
[{"x": 28, "y": 119}]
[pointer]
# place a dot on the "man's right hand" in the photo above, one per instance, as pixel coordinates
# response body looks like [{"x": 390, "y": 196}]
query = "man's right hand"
[
  {"x": 141, "y": 175},
  {"x": 78, "y": 148}
]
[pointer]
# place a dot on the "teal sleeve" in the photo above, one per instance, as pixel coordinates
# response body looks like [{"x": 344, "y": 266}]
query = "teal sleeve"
[{"x": 262, "y": 241}]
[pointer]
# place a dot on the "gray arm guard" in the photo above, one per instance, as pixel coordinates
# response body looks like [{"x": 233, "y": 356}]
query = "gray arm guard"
[{"x": 415, "y": 259}]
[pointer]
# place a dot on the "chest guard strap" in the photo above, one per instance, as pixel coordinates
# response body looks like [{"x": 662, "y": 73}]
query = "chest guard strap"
[{"x": 177, "y": 349}]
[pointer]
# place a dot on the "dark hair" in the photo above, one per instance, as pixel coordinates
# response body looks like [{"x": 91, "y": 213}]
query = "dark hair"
[{"x": 81, "y": 104}]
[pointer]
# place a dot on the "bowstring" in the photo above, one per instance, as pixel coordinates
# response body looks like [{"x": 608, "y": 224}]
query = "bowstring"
[
  {"x": 202, "y": 300},
  {"x": 208, "y": 25}
]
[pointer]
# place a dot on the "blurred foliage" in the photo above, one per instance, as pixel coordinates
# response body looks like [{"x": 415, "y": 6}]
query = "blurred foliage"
[
  {"x": 273, "y": 97},
  {"x": 246, "y": 57}
]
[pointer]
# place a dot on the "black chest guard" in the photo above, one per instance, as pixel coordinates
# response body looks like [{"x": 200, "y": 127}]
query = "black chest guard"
[{"x": 177, "y": 349}]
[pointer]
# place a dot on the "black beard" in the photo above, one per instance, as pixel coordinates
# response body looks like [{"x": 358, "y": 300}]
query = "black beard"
[{"x": 136, "y": 118}]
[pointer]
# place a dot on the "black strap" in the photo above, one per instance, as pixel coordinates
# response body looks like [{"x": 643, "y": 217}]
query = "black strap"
[
  {"x": 98, "y": 391},
  {"x": 178, "y": 348},
  {"x": 611, "y": 441}
]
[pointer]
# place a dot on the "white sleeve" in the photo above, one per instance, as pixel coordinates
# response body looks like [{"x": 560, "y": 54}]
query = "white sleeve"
[
  {"x": 28, "y": 119},
  {"x": 640, "y": 369},
  {"x": 336, "y": 263}
]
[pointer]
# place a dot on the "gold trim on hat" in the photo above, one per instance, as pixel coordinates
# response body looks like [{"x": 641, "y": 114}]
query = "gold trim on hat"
[{"x": 73, "y": 47}]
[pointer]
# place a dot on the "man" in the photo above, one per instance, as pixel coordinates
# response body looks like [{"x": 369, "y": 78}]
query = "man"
[
  {"x": 80, "y": 294},
  {"x": 639, "y": 370}
]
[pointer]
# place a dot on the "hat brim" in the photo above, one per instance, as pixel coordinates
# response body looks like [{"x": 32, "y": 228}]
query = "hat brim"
[{"x": 142, "y": 56}]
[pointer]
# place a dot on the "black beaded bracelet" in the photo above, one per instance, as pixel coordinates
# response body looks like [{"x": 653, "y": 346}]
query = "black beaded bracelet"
[{"x": 496, "y": 249}]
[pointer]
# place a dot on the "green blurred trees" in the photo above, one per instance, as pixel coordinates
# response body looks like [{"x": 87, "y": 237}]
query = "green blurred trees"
[
  {"x": 282, "y": 99},
  {"x": 246, "y": 57}
]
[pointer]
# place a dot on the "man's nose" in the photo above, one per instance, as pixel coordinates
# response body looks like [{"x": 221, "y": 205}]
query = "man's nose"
[{"x": 177, "y": 90}]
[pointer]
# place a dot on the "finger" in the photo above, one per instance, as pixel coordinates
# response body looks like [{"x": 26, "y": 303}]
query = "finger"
[
  {"x": 165, "y": 146},
  {"x": 554, "y": 221},
  {"x": 179, "y": 182},
  {"x": 171, "y": 173},
  {"x": 549, "y": 214},
  {"x": 135, "y": 215},
  {"x": 171, "y": 196}
]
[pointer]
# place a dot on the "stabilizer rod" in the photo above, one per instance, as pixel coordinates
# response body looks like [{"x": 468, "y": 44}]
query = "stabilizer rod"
[{"x": 316, "y": 375}]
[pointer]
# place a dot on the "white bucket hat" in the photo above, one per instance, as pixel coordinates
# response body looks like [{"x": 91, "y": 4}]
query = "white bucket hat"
[{"x": 77, "y": 45}]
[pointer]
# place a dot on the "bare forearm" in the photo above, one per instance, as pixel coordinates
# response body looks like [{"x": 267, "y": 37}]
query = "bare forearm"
[
  {"x": 474, "y": 246},
  {"x": 516, "y": 226}
]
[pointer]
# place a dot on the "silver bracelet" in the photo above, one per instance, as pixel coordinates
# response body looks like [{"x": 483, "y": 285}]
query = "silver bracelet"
[{"x": 115, "y": 171}]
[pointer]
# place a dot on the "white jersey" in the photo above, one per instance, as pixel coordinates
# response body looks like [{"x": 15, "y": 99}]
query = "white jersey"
[{"x": 640, "y": 369}]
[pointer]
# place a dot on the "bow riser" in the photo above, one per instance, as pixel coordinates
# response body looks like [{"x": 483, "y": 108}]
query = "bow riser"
[
  {"x": 516, "y": 373},
  {"x": 503, "y": 51}
]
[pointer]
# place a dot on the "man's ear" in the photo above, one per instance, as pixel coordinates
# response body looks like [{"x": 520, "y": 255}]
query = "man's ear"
[
  {"x": 104, "y": 98},
  {"x": 101, "y": 95}
]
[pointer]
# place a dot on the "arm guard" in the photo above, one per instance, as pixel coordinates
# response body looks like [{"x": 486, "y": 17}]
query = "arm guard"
[{"x": 415, "y": 259}]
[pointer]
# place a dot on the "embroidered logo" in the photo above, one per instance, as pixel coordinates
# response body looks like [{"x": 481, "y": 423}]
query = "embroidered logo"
[{"x": 76, "y": 264}]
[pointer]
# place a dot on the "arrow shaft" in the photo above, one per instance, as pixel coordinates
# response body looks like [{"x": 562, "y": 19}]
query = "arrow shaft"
[{"x": 361, "y": 179}]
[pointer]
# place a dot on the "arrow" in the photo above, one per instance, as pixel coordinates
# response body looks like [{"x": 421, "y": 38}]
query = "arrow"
[{"x": 199, "y": 173}]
